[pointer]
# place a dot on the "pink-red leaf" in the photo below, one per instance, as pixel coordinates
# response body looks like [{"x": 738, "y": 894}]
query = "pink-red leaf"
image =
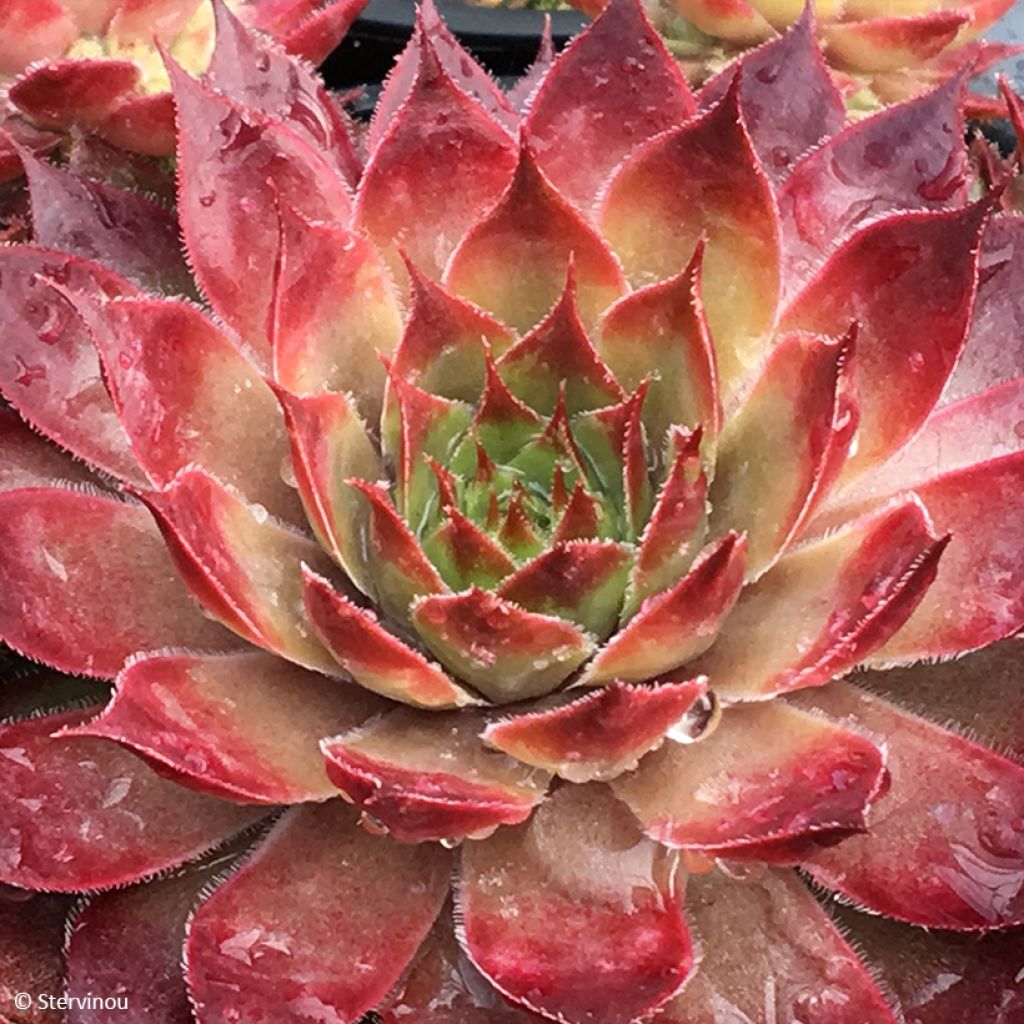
[
  {"x": 216, "y": 723},
  {"x": 768, "y": 773},
  {"x": 946, "y": 844},
  {"x": 87, "y": 582},
  {"x": 621, "y": 947},
  {"x": 600, "y": 735},
  {"x": 87, "y": 814},
  {"x": 430, "y": 777},
  {"x": 267, "y": 942},
  {"x": 615, "y": 86}
]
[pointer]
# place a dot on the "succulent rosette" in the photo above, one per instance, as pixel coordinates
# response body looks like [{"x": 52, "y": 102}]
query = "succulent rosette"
[
  {"x": 95, "y": 63},
  {"x": 508, "y": 508}
]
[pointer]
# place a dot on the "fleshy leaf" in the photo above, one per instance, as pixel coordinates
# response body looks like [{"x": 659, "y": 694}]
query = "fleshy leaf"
[
  {"x": 767, "y": 773},
  {"x": 187, "y": 396},
  {"x": 676, "y": 529},
  {"x": 581, "y": 581},
  {"x": 216, "y": 723},
  {"x": 398, "y": 568},
  {"x": 431, "y": 777},
  {"x": 978, "y": 594},
  {"x": 375, "y": 658},
  {"x": 465, "y": 555},
  {"x": 87, "y": 582},
  {"x": 909, "y": 157},
  {"x": 330, "y": 445},
  {"x": 241, "y": 565},
  {"x": 886, "y": 44},
  {"x": 621, "y": 948},
  {"x": 316, "y": 37},
  {"x": 737, "y": 21},
  {"x": 503, "y": 423},
  {"x": 86, "y": 814},
  {"x": 944, "y": 848},
  {"x": 822, "y": 608},
  {"x": 442, "y": 348},
  {"x": 789, "y": 101},
  {"x": 995, "y": 345},
  {"x": 908, "y": 282},
  {"x": 129, "y": 941},
  {"x": 660, "y": 333},
  {"x": 267, "y": 942},
  {"x": 126, "y": 232},
  {"x": 703, "y": 179},
  {"x": 49, "y": 370},
  {"x": 497, "y": 647},
  {"x": 334, "y": 309},
  {"x": 514, "y": 260},
  {"x": 600, "y": 735},
  {"x": 770, "y": 950},
  {"x": 225, "y": 152},
  {"x": 441, "y": 163},
  {"x": 675, "y": 626},
  {"x": 613, "y": 88},
  {"x": 28, "y": 460},
  {"x": 250, "y": 71},
  {"x": 555, "y": 356},
  {"x": 32, "y": 935},
  {"x": 775, "y": 455},
  {"x": 33, "y": 30}
]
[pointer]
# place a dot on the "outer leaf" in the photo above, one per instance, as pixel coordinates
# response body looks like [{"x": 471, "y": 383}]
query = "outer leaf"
[
  {"x": 430, "y": 777},
  {"x": 255, "y": 74},
  {"x": 789, "y": 100},
  {"x": 86, "y": 814},
  {"x": 241, "y": 565},
  {"x": 825, "y": 606},
  {"x": 442, "y": 162},
  {"x": 945, "y": 848},
  {"x": 86, "y": 583},
  {"x": 334, "y": 311},
  {"x": 776, "y": 455},
  {"x": 908, "y": 282},
  {"x": 994, "y": 351},
  {"x": 600, "y": 735},
  {"x": 613, "y": 88},
  {"x": 226, "y": 151},
  {"x": 621, "y": 948},
  {"x": 498, "y": 648},
  {"x": 48, "y": 358},
  {"x": 768, "y": 773},
  {"x": 267, "y": 941},
  {"x": 129, "y": 942},
  {"x": 677, "y": 625},
  {"x": 216, "y": 723},
  {"x": 375, "y": 658},
  {"x": 906, "y": 158},
  {"x": 330, "y": 445},
  {"x": 514, "y": 260},
  {"x": 770, "y": 951},
  {"x": 28, "y": 460},
  {"x": 703, "y": 179},
  {"x": 186, "y": 395},
  {"x": 122, "y": 230},
  {"x": 31, "y": 952}
]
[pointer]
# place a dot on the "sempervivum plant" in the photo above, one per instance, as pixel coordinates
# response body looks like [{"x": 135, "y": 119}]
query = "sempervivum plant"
[
  {"x": 509, "y": 510},
  {"x": 94, "y": 63}
]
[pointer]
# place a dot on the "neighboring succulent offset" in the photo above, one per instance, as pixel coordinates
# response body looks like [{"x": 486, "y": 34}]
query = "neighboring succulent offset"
[
  {"x": 880, "y": 51},
  {"x": 95, "y": 63},
  {"x": 625, "y": 421}
]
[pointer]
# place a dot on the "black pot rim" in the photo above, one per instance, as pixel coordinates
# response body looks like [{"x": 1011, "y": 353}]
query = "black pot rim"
[{"x": 470, "y": 22}]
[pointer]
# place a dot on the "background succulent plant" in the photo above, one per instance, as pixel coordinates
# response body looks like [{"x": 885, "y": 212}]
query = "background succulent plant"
[{"x": 527, "y": 476}]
